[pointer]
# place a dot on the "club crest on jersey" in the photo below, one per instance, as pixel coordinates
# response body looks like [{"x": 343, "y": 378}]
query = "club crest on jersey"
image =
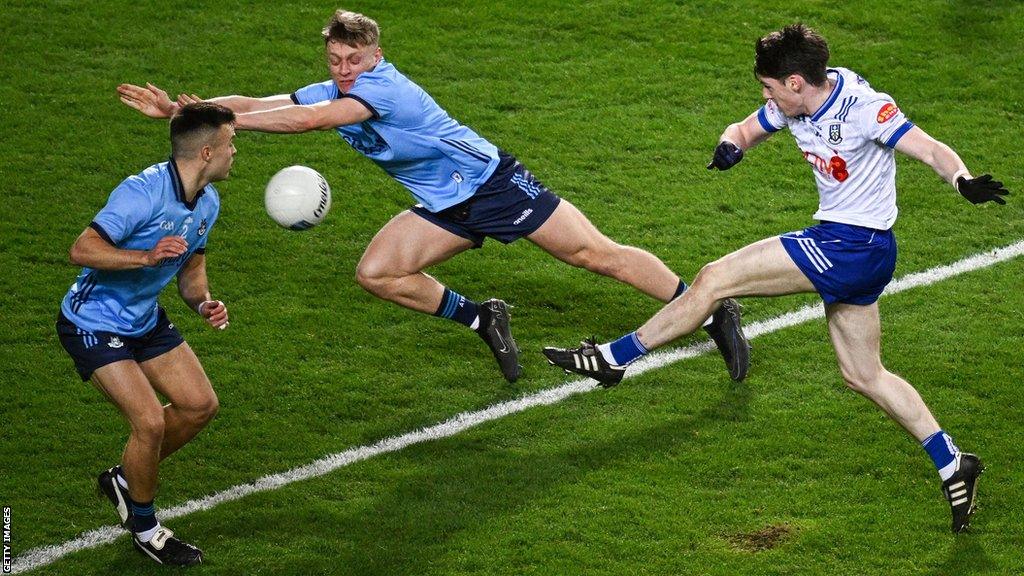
[
  {"x": 835, "y": 135},
  {"x": 202, "y": 227},
  {"x": 887, "y": 112},
  {"x": 457, "y": 177}
]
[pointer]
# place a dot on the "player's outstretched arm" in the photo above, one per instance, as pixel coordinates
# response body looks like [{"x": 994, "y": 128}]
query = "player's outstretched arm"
[
  {"x": 294, "y": 119},
  {"x": 195, "y": 291},
  {"x": 93, "y": 251},
  {"x": 917, "y": 144},
  {"x": 240, "y": 104},
  {"x": 735, "y": 139},
  {"x": 148, "y": 99}
]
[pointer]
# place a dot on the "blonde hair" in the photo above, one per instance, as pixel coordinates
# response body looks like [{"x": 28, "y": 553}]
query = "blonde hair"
[{"x": 351, "y": 29}]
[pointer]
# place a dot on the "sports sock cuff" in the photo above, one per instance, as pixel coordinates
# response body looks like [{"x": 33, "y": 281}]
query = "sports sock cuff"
[
  {"x": 626, "y": 349},
  {"x": 941, "y": 450},
  {"x": 680, "y": 289}
]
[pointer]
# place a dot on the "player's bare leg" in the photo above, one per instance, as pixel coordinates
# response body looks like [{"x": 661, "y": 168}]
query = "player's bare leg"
[
  {"x": 178, "y": 375},
  {"x": 392, "y": 265},
  {"x": 569, "y": 236},
  {"x": 855, "y": 332},
  {"x": 763, "y": 268},
  {"x": 392, "y": 268},
  {"x": 126, "y": 386}
]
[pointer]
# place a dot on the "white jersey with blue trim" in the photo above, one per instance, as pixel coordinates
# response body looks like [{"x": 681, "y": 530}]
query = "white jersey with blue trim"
[
  {"x": 440, "y": 161},
  {"x": 143, "y": 209},
  {"x": 849, "y": 143}
]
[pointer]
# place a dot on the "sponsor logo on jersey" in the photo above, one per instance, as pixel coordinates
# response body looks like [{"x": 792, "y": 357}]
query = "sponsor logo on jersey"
[
  {"x": 887, "y": 112},
  {"x": 835, "y": 135},
  {"x": 115, "y": 342},
  {"x": 834, "y": 167}
]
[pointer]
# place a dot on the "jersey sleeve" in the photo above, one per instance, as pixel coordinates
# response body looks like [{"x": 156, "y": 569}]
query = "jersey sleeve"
[
  {"x": 771, "y": 118},
  {"x": 128, "y": 209},
  {"x": 884, "y": 122},
  {"x": 314, "y": 93},
  {"x": 377, "y": 93}
]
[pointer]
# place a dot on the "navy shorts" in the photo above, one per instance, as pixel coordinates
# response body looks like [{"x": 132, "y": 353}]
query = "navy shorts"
[
  {"x": 510, "y": 205},
  {"x": 91, "y": 350},
  {"x": 848, "y": 264}
]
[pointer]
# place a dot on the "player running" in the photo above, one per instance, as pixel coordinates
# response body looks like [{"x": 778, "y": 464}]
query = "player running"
[
  {"x": 847, "y": 132},
  {"x": 155, "y": 226},
  {"x": 467, "y": 189}
]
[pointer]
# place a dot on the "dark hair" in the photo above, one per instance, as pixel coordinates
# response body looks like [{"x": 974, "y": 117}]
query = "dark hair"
[
  {"x": 194, "y": 124},
  {"x": 351, "y": 29},
  {"x": 796, "y": 49}
]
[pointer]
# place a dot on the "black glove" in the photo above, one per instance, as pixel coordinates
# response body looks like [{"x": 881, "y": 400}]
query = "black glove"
[
  {"x": 981, "y": 189},
  {"x": 727, "y": 155}
]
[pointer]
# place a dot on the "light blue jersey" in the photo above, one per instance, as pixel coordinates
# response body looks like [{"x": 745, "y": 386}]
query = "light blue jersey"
[
  {"x": 413, "y": 139},
  {"x": 140, "y": 211}
]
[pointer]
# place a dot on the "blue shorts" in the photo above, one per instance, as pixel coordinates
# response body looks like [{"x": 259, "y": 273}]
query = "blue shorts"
[
  {"x": 92, "y": 350},
  {"x": 848, "y": 264},
  {"x": 510, "y": 205}
]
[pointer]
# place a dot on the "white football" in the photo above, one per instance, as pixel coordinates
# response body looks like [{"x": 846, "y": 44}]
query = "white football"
[{"x": 297, "y": 198}]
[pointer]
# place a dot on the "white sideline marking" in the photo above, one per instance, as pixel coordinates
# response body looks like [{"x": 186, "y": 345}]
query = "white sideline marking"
[{"x": 43, "y": 555}]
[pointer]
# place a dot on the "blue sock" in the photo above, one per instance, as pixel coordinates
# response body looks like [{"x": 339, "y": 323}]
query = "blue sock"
[
  {"x": 680, "y": 289},
  {"x": 943, "y": 453},
  {"x": 145, "y": 515},
  {"x": 455, "y": 306},
  {"x": 624, "y": 350}
]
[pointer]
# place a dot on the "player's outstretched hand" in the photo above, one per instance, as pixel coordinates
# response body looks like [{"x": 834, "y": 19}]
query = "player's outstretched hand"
[
  {"x": 185, "y": 99},
  {"x": 982, "y": 189},
  {"x": 726, "y": 156},
  {"x": 167, "y": 247},
  {"x": 215, "y": 313},
  {"x": 151, "y": 101}
]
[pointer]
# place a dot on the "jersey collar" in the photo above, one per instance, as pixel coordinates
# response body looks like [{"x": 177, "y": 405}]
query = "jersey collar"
[
  {"x": 179, "y": 190},
  {"x": 831, "y": 97}
]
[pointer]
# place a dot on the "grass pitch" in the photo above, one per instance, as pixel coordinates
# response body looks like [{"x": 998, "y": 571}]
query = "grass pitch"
[{"x": 617, "y": 107}]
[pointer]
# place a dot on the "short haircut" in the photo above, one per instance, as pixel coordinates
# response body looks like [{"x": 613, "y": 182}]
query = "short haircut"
[
  {"x": 351, "y": 29},
  {"x": 796, "y": 49},
  {"x": 195, "y": 124}
]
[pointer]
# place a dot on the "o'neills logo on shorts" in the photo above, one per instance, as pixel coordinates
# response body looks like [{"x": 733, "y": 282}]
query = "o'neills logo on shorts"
[
  {"x": 526, "y": 214},
  {"x": 887, "y": 112}
]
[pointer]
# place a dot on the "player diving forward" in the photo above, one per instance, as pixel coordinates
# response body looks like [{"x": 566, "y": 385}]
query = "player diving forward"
[
  {"x": 467, "y": 190},
  {"x": 847, "y": 132}
]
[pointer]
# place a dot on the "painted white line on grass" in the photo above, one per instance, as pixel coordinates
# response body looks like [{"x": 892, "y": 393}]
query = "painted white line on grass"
[{"x": 38, "y": 557}]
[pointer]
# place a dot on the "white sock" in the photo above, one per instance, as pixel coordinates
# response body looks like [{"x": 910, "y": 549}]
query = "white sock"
[
  {"x": 947, "y": 471},
  {"x": 606, "y": 353},
  {"x": 148, "y": 534}
]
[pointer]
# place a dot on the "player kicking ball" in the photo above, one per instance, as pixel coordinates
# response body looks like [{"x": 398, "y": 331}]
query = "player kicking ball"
[
  {"x": 847, "y": 131},
  {"x": 154, "y": 227},
  {"x": 467, "y": 190}
]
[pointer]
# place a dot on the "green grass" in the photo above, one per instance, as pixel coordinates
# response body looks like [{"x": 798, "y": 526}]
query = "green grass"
[{"x": 616, "y": 106}]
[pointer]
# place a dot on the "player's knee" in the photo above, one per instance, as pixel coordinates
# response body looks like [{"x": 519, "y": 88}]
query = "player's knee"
[
  {"x": 204, "y": 410},
  {"x": 149, "y": 426},
  {"x": 372, "y": 278},
  {"x": 711, "y": 278},
  {"x": 604, "y": 261},
  {"x": 861, "y": 382}
]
